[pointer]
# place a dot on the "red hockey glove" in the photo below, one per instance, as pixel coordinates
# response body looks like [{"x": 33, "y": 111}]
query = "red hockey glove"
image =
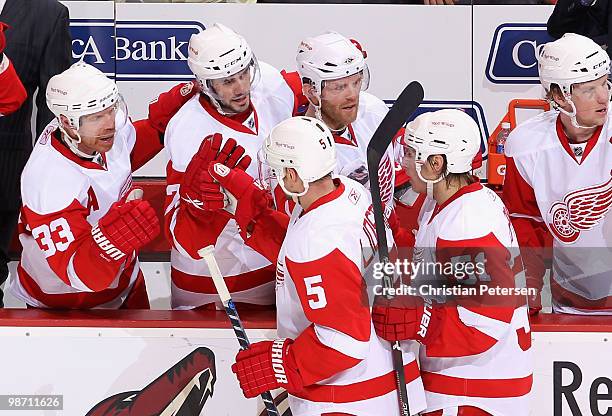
[
  {"x": 125, "y": 228},
  {"x": 198, "y": 188},
  {"x": 406, "y": 318},
  {"x": 165, "y": 106},
  {"x": 251, "y": 200},
  {"x": 404, "y": 238},
  {"x": 267, "y": 365}
]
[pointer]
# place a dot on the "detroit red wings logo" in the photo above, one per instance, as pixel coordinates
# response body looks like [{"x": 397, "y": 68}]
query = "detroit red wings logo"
[{"x": 580, "y": 211}]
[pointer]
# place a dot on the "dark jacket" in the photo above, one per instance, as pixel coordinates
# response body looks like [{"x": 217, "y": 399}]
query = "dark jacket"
[
  {"x": 39, "y": 45},
  {"x": 570, "y": 16}
]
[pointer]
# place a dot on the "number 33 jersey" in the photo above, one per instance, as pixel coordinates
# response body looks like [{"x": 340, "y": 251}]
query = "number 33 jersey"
[
  {"x": 63, "y": 196},
  {"x": 322, "y": 304}
]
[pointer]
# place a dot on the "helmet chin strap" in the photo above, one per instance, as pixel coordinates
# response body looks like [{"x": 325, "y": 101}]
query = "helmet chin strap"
[
  {"x": 430, "y": 183},
  {"x": 294, "y": 195},
  {"x": 73, "y": 144},
  {"x": 319, "y": 116},
  {"x": 206, "y": 90},
  {"x": 572, "y": 115}
]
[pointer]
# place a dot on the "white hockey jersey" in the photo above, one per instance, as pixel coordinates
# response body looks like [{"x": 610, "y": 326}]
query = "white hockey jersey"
[
  {"x": 482, "y": 355},
  {"x": 322, "y": 304},
  {"x": 62, "y": 197},
  {"x": 249, "y": 276},
  {"x": 351, "y": 152},
  {"x": 552, "y": 192}
]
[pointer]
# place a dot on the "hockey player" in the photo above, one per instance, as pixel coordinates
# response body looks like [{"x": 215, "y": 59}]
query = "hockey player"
[
  {"x": 558, "y": 184},
  {"x": 335, "y": 76},
  {"x": 12, "y": 92},
  {"x": 328, "y": 358},
  {"x": 241, "y": 100},
  {"x": 475, "y": 354},
  {"x": 80, "y": 233}
]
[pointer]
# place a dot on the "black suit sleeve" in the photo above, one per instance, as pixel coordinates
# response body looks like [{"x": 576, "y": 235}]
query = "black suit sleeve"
[
  {"x": 570, "y": 16},
  {"x": 57, "y": 57}
]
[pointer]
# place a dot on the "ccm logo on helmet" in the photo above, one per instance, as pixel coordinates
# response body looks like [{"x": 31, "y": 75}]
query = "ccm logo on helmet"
[{"x": 512, "y": 57}]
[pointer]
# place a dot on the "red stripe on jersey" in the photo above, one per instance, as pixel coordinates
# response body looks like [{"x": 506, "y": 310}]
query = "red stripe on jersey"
[
  {"x": 81, "y": 300},
  {"x": 230, "y": 122},
  {"x": 363, "y": 390},
  {"x": 294, "y": 82},
  {"x": 332, "y": 287},
  {"x": 204, "y": 284},
  {"x": 565, "y": 141},
  {"x": 70, "y": 155},
  {"x": 456, "y": 339},
  {"x": 461, "y": 411},
  {"x": 520, "y": 200},
  {"x": 147, "y": 144},
  {"x": 489, "y": 388},
  {"x": 476, "y": 186},
  {"x": 316, "y": 361},
  {"x": 573, "y": 300}
]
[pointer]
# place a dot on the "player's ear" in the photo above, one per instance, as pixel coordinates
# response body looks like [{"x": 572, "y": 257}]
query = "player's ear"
[
  {"x": 437, "y": 164},
  {"x": 65, "y": 122},
  {"x": 309, "y": 93}
]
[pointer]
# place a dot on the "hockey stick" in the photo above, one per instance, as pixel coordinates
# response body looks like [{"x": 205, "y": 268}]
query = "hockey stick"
[
  {"x": 208, "y": 254},
  {"x": 402, "y": 109}
]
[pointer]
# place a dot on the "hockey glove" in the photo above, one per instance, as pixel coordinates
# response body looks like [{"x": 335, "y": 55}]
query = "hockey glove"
[
  {"x": 265, "y": 366},
  {"x": 124, "y": 229},
  {"x": 406, "y": 318},
  {"x": 165, "y": 106},
  {"x": 198, "y": 188},
  {"x": 247, "y": 199}
]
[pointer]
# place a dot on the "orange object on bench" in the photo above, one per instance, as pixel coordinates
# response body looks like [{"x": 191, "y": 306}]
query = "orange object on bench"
[{"x": 496, "y": 164}]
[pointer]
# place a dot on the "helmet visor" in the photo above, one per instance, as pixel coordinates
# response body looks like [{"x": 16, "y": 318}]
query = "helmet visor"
[
  {"x": 266, "y": 174},
  {"x": 104, "y": 123},
  {"x": 352, "y": 83}
]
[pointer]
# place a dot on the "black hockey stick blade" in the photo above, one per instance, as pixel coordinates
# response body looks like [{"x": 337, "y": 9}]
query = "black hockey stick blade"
[{"x": 405, "y": 105}]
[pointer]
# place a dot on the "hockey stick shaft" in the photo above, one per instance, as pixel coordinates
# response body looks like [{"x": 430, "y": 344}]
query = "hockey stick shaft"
[
  {"x": 208, "y": 254},
  {"x": 405, "y": 105}
]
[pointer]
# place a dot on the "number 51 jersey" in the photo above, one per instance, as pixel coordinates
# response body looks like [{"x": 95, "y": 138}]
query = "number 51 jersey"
[{"x": 322, "y": 304}]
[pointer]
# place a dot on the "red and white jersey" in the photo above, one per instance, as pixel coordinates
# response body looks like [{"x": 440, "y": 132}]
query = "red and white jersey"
[
  {"x": 552, "y": 192},
  {"x": 352, "y": 146},
  {"x": 351, "y": 152},
  {"x": 12, "y": 92},
  {"x": 63, "y": 196},
  {"x": 249, "y": 275},
  {"x": 481, "y": 356},
  {"x": 322, "y": 304}
]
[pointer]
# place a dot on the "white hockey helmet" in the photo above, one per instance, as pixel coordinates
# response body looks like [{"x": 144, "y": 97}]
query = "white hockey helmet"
[
  {"x": 328, "y": 57},
  {"x": 80, "y": 91},
  {"x": 573, "y": 59},
  {"x": 448, "y": 132},
  {"x": 219, "y": 52},
  {"x": 302, "y": 143}
]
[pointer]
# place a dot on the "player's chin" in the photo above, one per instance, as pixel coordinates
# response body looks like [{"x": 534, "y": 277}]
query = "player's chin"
[{"x": 104, "y": 145}]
